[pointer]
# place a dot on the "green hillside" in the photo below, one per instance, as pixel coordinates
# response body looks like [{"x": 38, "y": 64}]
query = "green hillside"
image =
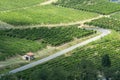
[{"x": 70, "y": 39}]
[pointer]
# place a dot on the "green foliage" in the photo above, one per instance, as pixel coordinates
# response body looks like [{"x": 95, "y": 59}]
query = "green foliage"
[
  {"x": 42, "y": 74},
  {"x": 54, "y": 36},
  {"x": 106, "y": 23},
  {"x": 99, "y": 6},
  {"x": 106, "y": 62},
  {"x": 85, "y": 70},
  {"x": 14, "y": 46},
  {"x": 58, "y": 74},
  {"x": 9, "y": 77},
  {"x": 47, "y": 74},
  {"x": 116, "y": 75},
  {"x": 44, "y": 15}
]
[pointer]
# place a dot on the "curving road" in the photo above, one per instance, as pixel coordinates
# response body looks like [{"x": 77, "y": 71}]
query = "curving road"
[{"x": 104, "y": 32}]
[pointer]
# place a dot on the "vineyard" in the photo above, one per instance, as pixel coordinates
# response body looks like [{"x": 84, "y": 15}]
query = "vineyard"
[
  {"x": 22, "y": 31},
  {"x": 92, "y": 52},
  {"x": 98, "y": 6},
  {"x": 20, "y": 41},
  {"x": 110, "y": 23},
  {"x": 44, "y": 15},
  {"x": 54, "y": 36},
  {"x": 10, "y": 47}
]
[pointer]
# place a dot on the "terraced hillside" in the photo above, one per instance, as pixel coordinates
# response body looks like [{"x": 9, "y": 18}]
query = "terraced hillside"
[
  {"x": 99, "y": 60},
  {"x": 32, "y": 13},
  {"x": 91, "y": 54}
]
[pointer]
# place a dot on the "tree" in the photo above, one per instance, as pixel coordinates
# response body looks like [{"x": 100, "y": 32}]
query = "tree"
[
  {"x": 106, "y": 62},
  {"x": 41, "y": 74},
  {"x": 85, "y": 70},
  {"x": 58, "y": 74},
  {"x": 116, "y": 75},
  {"x": 9, "y": 77},
  {"x": 50, "y": 74}
]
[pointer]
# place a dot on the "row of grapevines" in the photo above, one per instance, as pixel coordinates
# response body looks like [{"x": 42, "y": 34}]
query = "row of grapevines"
[
  {"x": 54, "y": 36},
  {"x": 98, "y": 6}
]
